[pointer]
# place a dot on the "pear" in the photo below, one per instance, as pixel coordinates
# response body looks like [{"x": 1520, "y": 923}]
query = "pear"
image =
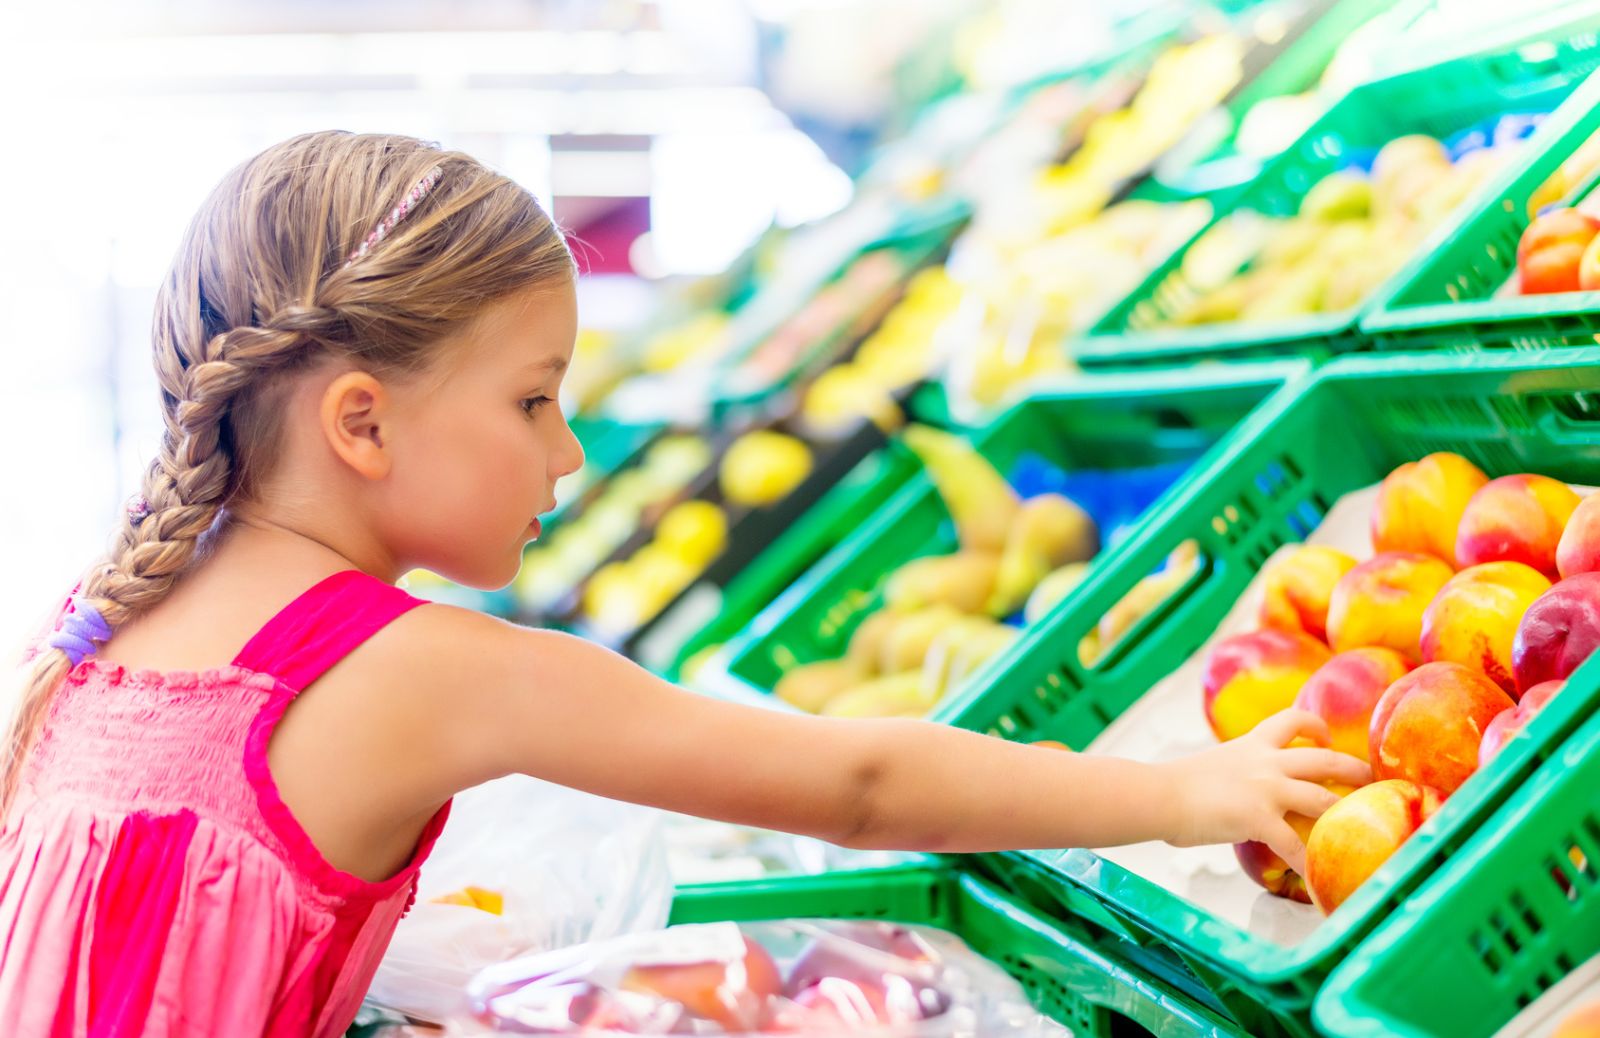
[
  {"x": 1052, "y": 589},
  {"x": 979, "y": 499},
  {"x": 963, "y": 581},
  {"x": 809, "y": 687},
  {"x": 898, "y": 695},
  {"x": 1050, "y": 531},
  {"x": 907, "y": 645}
]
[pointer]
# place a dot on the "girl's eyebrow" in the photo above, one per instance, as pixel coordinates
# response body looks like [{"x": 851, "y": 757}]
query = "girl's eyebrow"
[{"x": 551, "y": 364}]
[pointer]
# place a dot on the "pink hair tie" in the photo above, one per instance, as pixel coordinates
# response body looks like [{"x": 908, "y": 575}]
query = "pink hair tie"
[{"x": 418, "y": 192}]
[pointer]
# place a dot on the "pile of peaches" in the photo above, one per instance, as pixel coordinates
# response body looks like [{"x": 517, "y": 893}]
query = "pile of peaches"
[{"x": 1482, "y": 597}]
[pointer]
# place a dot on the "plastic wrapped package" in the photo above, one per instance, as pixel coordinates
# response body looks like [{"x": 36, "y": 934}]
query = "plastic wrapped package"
[
  {"x": 798, "y": 977},
  {"x": 523, "y": 866}
]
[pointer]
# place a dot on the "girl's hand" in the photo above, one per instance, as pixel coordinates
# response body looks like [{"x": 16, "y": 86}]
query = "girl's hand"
[{"x": 1242, "y": 789}]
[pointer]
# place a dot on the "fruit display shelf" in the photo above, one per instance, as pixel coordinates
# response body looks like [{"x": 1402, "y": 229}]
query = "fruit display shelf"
[
  {"x": 749, "y": 528},
  {"x": 1342, "y": 430},
  {"x": 1102, "y": 423},
  {"x": 1499, "y": 924},
  {"x": 1444, "y": 100},
  {"x": 1069, "y": 981},
  {"x": 1452, "y": 298}
]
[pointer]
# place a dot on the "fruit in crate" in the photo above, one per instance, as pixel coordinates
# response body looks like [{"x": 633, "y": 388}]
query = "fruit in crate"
[
  {"x": 1381, "y": 601},
  {"x": 1583, "y": 1022},
  {"x": 980, "y": 501},
  {"x": 762, "y": 467},
  {"x": 1420, "y": 504},
  {"x": 1572, "y": 172},
  {"x": 734, "y": 994},
  {"x": 1516, "y": 519},
  {"x": 1474, "y": 618},
  {"x": 1048, "y": 532},
  {"x": 1143, "y": 599},
  {"x": 1508, "y": 724},
  {"x": 1345, "y": 691},
  {"x": 1352, "y": 230},
  {"x": 810, "y": 686},
  {"x": 1297, "y": 584},
  {"x": 896, "y": 695},
  {"x": 1579, "y": 548},
  {"x": 695, "y": 531},
  {"x": 907, "y": 643},
  {"x": 1361, "y": 832},
  {"x": 964, "y": 580},
  {"x": 1052, "y": 589},
  {"x": 1428, "y": 726},
  {"x": 960, "y": 650},
  {"x": 1270, "y": 872},
  {"x": 1249, "y": 677},
  {"x": 1558, "y": 632},
  {"x": 1551, "y": 251}
]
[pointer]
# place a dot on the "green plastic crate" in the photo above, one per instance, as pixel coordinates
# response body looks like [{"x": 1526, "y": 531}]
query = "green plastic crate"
[
  {"x": 1439, "y": 100},
  {"x": 700, "y": 621},
  {"x": 1505, "y": 919},
  {"x": 1445, "y": 299},
  {"x": 1343, "y": 429},
  {"x": 1067, "y": 980},
  {"x": 1100, "y": 421}
]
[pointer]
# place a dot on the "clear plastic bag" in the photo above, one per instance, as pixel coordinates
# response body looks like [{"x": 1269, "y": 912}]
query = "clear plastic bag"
[
  {"x": 524, "y": 866},
  {"x": 799, "y": 977}
]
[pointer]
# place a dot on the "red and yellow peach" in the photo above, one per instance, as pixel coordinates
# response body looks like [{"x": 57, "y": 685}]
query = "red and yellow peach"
[
  {"x": 1516, "y": 519},
  {"x": 1419, "y": 505},
  {"x": 1474, "y": 618},
  {"x": 1508, "y": 724},
  {"x": 1345, "y": 690},
  {"x": 1428, "y": 726},
  {"x": 1296, "y": 586},
  {"x": 1250, "y": 677},
  {"x": 1579, "y": 548},
  {"x": 1361, "y": 832},
  {"x": 1381, "y": 601}
]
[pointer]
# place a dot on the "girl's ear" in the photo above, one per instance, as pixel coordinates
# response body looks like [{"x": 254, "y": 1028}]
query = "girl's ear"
[{"x": 355, "y": 410}]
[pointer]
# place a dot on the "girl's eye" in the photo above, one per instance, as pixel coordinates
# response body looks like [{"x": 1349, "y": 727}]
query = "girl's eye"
[{"x": 534, "y": 403}]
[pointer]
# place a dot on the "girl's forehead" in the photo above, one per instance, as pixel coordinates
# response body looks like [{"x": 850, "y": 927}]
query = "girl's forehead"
[{"x": 533, "y": 329}]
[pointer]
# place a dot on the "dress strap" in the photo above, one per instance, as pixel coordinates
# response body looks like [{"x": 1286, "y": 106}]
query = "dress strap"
[{"x": 323, "y": 626}]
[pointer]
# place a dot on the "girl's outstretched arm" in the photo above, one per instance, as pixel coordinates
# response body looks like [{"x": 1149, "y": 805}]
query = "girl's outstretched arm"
[{"x": 490, "y": 698}]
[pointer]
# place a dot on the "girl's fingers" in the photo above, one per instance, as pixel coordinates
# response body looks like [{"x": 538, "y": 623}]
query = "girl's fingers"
[
  {"x": 1286, "y": 843},
  {"x": 1308, "y": 798},
  {"x": 1326, "y": 766},
  {"x": 1283, "y": 728}
]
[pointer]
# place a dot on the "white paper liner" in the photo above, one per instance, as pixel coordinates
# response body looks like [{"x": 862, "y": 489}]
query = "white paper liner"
[{"x": 1540, "y": 1020}]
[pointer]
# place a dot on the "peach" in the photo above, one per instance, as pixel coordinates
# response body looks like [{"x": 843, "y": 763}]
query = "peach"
[
  {"x": 734, "y": 994},
  {"x": 1250, "y": 677},
  {"x": 1296, "y": 585},
  {"x": 1359, "y": 833},
  {"x": 1345, "y": 690},
  {"x": 1420, "y": 503},
  {"x": 1262, "y": 864},
  {"x": 1474, "y": 618},
  {"x": 1558, "y": 632},
  {"x": 1382, "y": 600},
  {"x": 1583, "y": 1022},
  {"x": 1427, "y": 728},
  {"x": 1516, "y": 519},
  {"x": 1508, "y": 724},
  {"x": 1579, "y": 548}
]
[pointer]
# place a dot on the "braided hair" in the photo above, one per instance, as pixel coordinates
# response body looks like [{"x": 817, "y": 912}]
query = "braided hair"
[{"x": 284, "y": 267}]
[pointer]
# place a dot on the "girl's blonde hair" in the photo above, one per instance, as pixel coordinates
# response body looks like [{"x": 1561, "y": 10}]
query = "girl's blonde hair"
[{"x": 260, "y": 289}]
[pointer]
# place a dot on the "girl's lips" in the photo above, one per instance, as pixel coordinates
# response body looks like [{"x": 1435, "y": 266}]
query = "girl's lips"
[{"x": 536, "y": 527}]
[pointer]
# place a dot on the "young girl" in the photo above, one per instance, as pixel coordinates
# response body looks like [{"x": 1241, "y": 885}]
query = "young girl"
[{"x": 240, "y": 739}]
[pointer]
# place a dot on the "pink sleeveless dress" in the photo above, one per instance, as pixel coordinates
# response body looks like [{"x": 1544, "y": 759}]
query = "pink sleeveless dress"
[{"x": 153, "y": 883}]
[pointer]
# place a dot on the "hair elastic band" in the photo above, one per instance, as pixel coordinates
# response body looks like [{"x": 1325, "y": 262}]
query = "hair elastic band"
[
  {"x": 79, "y": 629},
  {"x": 418, "y": 192}
]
